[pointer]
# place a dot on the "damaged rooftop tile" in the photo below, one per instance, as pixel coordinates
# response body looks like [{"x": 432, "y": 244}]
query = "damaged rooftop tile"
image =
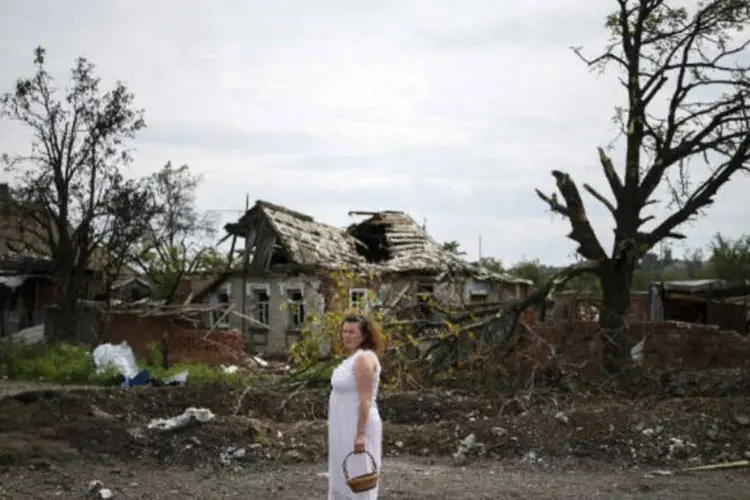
[{"x": 384, "y": 242}]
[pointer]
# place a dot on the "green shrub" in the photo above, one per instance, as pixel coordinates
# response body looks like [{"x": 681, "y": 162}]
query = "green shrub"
[
  {"x": 60, "y": 363},
  {"x": 199, "y": 373},
  {"x": 68, "y": 364}
]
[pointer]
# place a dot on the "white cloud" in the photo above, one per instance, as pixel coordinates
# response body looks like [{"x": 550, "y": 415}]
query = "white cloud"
[{"x": 453, "y": 111}]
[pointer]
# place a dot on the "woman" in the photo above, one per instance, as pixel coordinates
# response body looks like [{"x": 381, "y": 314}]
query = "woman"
[{"x": 353, "y": 420}]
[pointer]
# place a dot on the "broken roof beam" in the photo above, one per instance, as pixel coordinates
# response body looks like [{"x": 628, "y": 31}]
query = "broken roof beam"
[
  {"x": 283, "y": 209},
  {"x": 369, "y": 213}
]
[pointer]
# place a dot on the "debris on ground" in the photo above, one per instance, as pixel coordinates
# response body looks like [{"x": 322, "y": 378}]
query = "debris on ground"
[
  {"x": 97, "y": 489},
  {"x": 30, "y": 336},
  {"x": 122, "y": 358},
  {"x": 648, "y": 429},
  {"x": 465, "y": 446},
  {"x": 188, "y": 417}
]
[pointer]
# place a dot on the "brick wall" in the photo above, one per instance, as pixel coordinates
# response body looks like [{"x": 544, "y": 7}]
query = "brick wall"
[
  {"x": 184, "y": 343},
  {"x": 726, "y": 315},
  {"x": 668, "y": 345},
  {"x": 571, "y": 305}
]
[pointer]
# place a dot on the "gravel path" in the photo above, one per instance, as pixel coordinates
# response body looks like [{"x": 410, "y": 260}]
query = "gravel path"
[{"x": 406, "y": 479}]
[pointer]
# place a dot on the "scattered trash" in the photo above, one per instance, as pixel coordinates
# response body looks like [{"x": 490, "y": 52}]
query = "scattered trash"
[
  {"x": 118, "y": 356},
  {"x": 31, "y": 335},
  {"x": 678, "y": 448},
  {"x": 176, "y": 379},
  {"x": 97, "y": 487},
  {"x": 105, "y": 494},
  {"x": 232, "y": 453},
  {"x": 530, "y": 457},
  {"x": 562, "y": 418},
  {"x": 188, "y": 417},
  {"x": 659, "y": 472},
  {"x": 122, "y": 358},
  {"x": 261, "y": 362},
  {"x": 499, "y": 431},
  {"x": 636, "y": 353},
  {"x": 464, "y": 447}
]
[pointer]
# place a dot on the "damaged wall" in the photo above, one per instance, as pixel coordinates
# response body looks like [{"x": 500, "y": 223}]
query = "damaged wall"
[
  {"x": 265, "y": 302},
  {"x": 669, "y": 346},
  {"x": 582, "y": 306},
  {"x": 493, "y": 291},
  {"x": 25, "y": 302},
  {"x": 184, "y": 344},
  {"x": 269, "y": 297}
]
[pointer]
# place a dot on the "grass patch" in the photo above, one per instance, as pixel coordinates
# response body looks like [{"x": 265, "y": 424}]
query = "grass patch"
[
  {"x": 198, "y": 372},
  {"x": 68, "y": 364},
  {"x": 59, "y": 363}
]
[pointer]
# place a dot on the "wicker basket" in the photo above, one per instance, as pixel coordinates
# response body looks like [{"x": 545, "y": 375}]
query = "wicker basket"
[{"x": 365, "y": 482}]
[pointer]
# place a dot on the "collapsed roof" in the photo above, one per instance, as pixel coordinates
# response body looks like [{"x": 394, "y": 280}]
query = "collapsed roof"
[
  {"x": 298, "y": 237},
  {"x": 387, "y": 241}
]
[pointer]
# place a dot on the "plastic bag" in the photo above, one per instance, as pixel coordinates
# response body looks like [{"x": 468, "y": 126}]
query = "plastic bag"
[{"x": 118, "y": 356}]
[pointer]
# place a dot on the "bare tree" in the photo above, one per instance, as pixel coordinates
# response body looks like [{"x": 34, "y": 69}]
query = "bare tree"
[
  {"x": 685, "y": 75},
  {"x": 179, "y": 237},
  {"x": 69, "y": 187}
]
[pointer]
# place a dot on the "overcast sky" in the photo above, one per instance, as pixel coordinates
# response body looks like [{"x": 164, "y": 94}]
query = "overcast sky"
[{"x": 452, "y": 111}]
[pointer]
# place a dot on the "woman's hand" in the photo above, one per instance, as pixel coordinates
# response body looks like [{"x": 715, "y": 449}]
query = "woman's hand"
[{"x": 359, "y": 443}]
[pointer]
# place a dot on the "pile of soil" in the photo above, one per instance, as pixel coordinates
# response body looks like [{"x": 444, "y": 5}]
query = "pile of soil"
[{"x": 682, "y": 419}]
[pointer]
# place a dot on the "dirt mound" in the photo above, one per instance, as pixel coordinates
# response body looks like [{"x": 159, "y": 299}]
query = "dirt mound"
[
  {"x": 23, "y": 449},
  {"x": 57, "y": 425},
  {"x": 627, "y": 432}
]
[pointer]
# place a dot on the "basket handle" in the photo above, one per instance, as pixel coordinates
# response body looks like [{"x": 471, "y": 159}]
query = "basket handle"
[{"x": 346, "y": 458}]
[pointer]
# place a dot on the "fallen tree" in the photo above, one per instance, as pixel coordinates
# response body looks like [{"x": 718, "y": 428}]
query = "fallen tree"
[
  {"x": 428, "y": 342},
  {"x": 497, "y": 328}
]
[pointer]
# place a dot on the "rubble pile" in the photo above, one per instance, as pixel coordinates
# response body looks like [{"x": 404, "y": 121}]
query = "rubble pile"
[{"x": 203, "y": 426}]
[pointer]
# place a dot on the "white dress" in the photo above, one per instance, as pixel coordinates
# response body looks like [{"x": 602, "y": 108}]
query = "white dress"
[{"x": 343, "y": 408}]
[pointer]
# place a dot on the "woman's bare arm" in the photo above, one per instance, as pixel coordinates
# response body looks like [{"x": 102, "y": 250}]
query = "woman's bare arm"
[{"x": 364, "y": 374}]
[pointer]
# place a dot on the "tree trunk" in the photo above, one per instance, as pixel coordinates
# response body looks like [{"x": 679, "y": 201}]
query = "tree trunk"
[
  {"x": 616, "y": 280},
  {"x": 64, "y": 324},
  {"x": 68, "y": 292}
]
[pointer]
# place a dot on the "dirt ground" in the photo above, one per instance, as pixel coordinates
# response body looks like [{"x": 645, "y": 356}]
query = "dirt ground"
[
  {"x": 628, "y": 443},
  {"x": 411, "y": 479}
]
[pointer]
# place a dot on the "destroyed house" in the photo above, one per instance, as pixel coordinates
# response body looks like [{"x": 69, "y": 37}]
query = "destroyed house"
[
  {"x": 290, "y": 256},
  {"x": 27, "y": 269}
]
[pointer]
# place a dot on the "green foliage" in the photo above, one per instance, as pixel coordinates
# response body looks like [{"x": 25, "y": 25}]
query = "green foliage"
[
  {"x": 61, "y": 363},
  {"x": 532, "y": 270},
  {"x": 67, "y": 364},
  {"x": 491, "y": 264},
  {"x": 321, "y": 330},
  {"x": 730, "y": 259},
  {"x": 179, "y": 237},
  {"x": 80, "y": 133},
  {"x": 199, "y": 373},
  {"x": 454, "y": 247},
  {"x": 585, "y": 283}
]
